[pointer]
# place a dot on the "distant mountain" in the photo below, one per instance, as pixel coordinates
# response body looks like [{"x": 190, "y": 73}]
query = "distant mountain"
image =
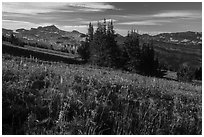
[
  {"x": 173, "y": 49},
  {"x": 49, "y": 35},
  {"x": 185, "y": 38}
]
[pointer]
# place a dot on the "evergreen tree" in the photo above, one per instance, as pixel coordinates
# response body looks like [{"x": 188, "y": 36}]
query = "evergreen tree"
[
  {"x": 185, "y": 73},
  {"x": 148, "y": 63},
  {"x": 14, "y": 40},
  {"x": 112, "y": 49},
  {"x": 96, "y": 46},
  {"x": 139, "y": 59},
  {"x": 132, "y": 50},
  {"x": 90, "y": 32},
  {"x": 124, "y": 59},
  {"x": 104, "y": 49},
  {"x": 104, "y": 26},
  {"x": 198, "y": 74},
  {"x": 84, "y": 49}
]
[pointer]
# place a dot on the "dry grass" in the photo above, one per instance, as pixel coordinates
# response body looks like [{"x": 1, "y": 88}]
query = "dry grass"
[{"x": 55, "y": 98}]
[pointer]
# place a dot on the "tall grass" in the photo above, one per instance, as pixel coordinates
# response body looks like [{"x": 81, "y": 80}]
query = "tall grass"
[{"x": 55, "y": 98}]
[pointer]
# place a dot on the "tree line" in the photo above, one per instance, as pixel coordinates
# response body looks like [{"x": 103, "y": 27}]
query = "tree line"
[{"x": 100, "y": 48}]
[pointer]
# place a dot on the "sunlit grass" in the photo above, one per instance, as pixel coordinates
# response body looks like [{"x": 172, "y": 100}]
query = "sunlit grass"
[{"x": 57, "y": 98}]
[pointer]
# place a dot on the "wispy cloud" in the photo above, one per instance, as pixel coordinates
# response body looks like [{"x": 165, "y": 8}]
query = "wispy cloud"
[
  {"x": 138, "y": 23},
  {"x": 37, "y": 8},
  {"x": 96, "y": 21},
  {"x": 170, "y": 14},
  {"x": 144, "y": 22},
  {"x": 76, "y": 26},
  {"x": 92, "y": 6},
  {"x": 13, "y": 24},
  {"x": 31, "y": 7},
  {"x": 177, "y": 14},
  {"x": 15, "y": 21}
]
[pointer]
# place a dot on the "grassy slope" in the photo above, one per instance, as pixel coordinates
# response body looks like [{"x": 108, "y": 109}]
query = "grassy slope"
[
  {"x": 73, "y": 99},
  {"x": 46, "y": 51},
  {"x": 176, "y": 55}
]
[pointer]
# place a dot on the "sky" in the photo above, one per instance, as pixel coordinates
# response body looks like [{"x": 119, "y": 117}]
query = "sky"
[{"x": 146, "y": 17}]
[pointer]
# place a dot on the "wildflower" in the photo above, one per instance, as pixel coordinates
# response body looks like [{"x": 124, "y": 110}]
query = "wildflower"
[
  {"x": 61, "y": 115},
  {"x": 61, "y": 79}
]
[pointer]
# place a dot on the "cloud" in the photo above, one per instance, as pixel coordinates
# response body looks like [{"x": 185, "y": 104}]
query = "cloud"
[
  {"x": 168, "y": 14},
  {"x": 30, "y": 7},
  {"x": 92, "y": 6},
  {"x": 96, "y": 21},
  {"x": 144, "y": 22},
  {"x": 176, "y": 14},
  {"x": 76, "y": 26},
  {"x": 33, "y": 8},
  {"x": 13, "y": 24},
  {"x": 138, "y": 23}
]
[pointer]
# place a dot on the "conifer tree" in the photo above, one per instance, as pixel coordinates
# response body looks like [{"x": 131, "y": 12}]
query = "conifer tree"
[
  {"x": 139, "y": 59},
  {"x": 90, "y": 32},
  {"x": 84, "y": 49},
  {"x": 148, "y": 63},
  {"x": 97, "y": 46},
  {"x": 132, "y": 49},
  {"x": 112, "y": 49},
  {"x": 104, "y": 49}
]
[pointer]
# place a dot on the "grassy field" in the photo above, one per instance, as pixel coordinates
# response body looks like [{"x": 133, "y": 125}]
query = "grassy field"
[
  {"x": 56, "y": 98},
  {"x": 46, "y": 55}
]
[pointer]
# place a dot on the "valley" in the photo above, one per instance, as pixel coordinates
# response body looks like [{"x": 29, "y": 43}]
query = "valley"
[{"x": 169, "y": 52}]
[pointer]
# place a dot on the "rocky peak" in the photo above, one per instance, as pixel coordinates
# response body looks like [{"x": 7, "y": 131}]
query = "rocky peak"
[{"x": 49, "y": 28}]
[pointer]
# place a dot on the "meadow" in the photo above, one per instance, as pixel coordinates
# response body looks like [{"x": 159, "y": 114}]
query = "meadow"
[{"x": 56, "y": 98}]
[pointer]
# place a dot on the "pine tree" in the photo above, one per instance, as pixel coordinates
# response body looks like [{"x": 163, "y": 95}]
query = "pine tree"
[
  {"x": 104, "y": 49},
  {"x": 84, "y": 49},
  {"x": 97, "y": 46},
  {"x": 112, "y": 49},
  {"x": 104, "y": 26},
  {"x": 132, "y": 49},
  {"x": 15, "y": 40},
  {"x": 90, "y": 32},
  {"x": 198, "y": 73},
  {"x": 148, "y": 63},
  {"x": 139, "y": 59}
]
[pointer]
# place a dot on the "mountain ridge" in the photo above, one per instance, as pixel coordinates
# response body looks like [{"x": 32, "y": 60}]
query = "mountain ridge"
[
  {"x": 48, "y": 35},
  {"x": 183, "y": 37},
  {"x": 173, "y": 49}
]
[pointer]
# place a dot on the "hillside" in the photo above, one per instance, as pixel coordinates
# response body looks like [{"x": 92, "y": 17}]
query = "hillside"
[
  {"x": 173, "y": 49},
  {"x": 48, "y": 35},
  {"x": 56, "y": 98},
  {"x": 185, "y": 38}
]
